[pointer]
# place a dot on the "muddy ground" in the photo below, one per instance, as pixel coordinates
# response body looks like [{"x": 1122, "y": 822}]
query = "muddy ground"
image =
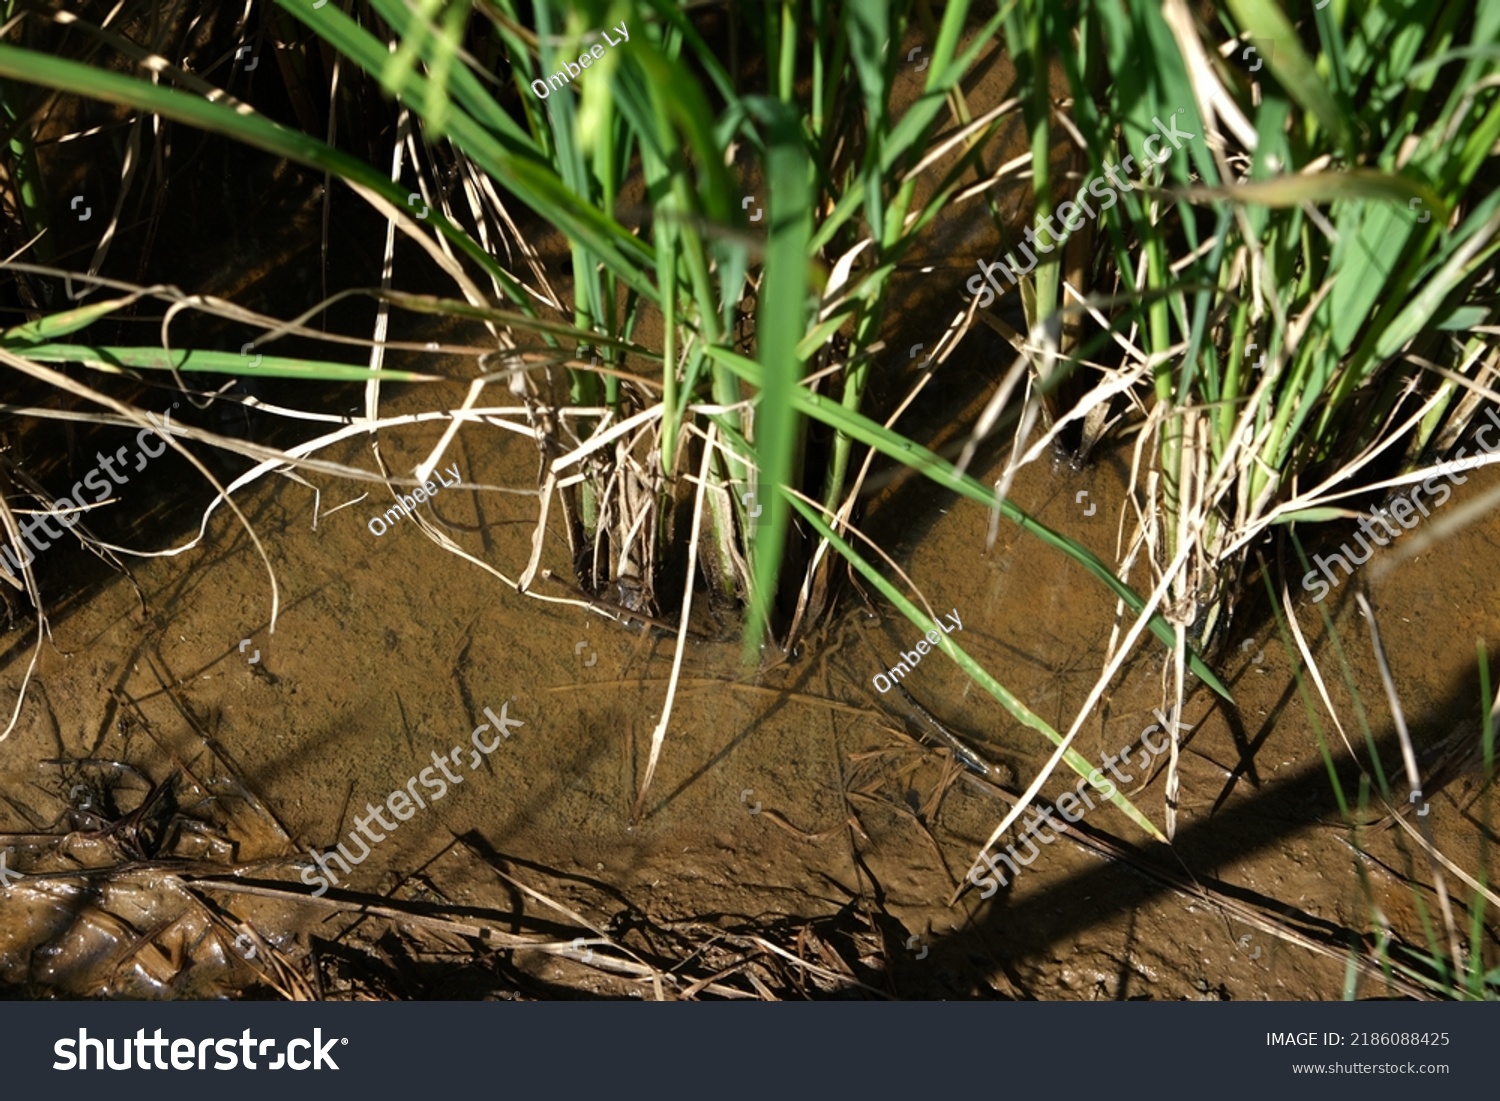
[{"x": 791, "y": 803}]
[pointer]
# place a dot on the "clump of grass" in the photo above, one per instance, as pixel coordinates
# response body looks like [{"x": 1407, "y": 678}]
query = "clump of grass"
[
  {"x": 710, "y": 411},
  {"x": 1290, "y": 298},
  {"x": 1298, "y": 294}
]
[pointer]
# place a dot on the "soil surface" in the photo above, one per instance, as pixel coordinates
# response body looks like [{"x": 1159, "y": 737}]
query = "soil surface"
[{"x": 792, "y": 803}]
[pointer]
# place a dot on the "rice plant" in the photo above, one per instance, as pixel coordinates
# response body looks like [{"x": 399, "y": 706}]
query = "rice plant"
[
  {"x": 725, "y": 410},
  {"x": 1297, "y": 298}
]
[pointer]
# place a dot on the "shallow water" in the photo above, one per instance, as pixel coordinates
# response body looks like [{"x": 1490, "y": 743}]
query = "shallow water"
[{"x": 793, "y": 794}]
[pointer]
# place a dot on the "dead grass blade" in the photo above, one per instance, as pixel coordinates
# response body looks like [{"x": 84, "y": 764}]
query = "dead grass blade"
[
  {"x": 659, "y": 735},
  {"x": 1410, "y": 759}
]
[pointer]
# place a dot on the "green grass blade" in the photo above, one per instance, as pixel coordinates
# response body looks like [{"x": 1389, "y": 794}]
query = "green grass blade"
[
  {"x": 62, "y": 324},
  {"x": 118, "y": 360},
  {"x": 238, "y": 122},
  {"x": 1263, "y": 19},
  {"x": 781, "y": 322}
]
